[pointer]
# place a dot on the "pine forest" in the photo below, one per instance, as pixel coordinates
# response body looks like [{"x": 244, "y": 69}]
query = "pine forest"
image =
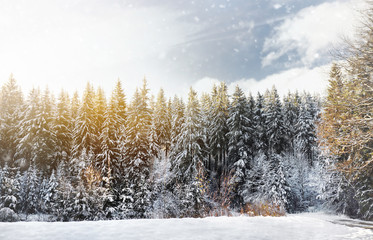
[{"x": 99, "y": 156}]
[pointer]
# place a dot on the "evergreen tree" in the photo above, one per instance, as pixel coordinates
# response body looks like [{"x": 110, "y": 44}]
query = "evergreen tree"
[
  {"x": 46, "y": 152},
  {"x": 37, "y": 144},
  {"x": 28, "y": 128},
  {"x": 111, "y": 138},
  {"x": 64, "y": 194},
  {"x": 239, "y": 136},
  {"x": 274, "y": 188},
  {"x": 188, "y": 168},
  {"x": 62, "y": 128},
  {"x": 162, "y": 123},
  {"x": 274, "y": 122},
  {"x": 11, "y": 110},
  {"x": 306, "y": 131},
  {"x": 291, "y": 115},
  {"x": 99, "y": 110},
  {"x": 137, "y": 154},
  {"x": 85, "y": 128},
  {"x": 219, "y": 129},
  {"x": 178, "y": 109},
  {"x": 190, "y": 159},
  {"x": 50, "y": 195},
  {"x": 206, "y": 120},
  {"x": 9, "y": 189},
  {"x": 109, "y": 161},
  {"x": 30, "y": 191},
  {"x": 261, "y": 142}
]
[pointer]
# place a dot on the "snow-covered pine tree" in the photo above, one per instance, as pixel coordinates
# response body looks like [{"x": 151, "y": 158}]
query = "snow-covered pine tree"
[
  {"x": 111, "y": 138},
  {"x": 240, "y": 141},
  {"x": 251, "y": 193},
  {"x": 291, "y": 114},
  {"x": 137, "y": 152},
  {"x": 188, "y": 169},
  {"x": 63, "y": 128},
  {"x": 50, "y": 194},
  {"x": 306, "y": 130},
  {"x": 178, "y": 109},
  {"x": 27, "y": 128},
  {"x": 261, "y": 142},
  {"x": 297, "y": 174},
  {"x": 100, "y": 106},
  {"x": 274, "y": 189},
  {"x": 119, "y": 100},
  {"x": 37, "y": 144},
  {"x": 64, "y": 194},
  {"x": 108, "y": 161},
  {"x": 274, "y": 122},
  {"x": 30, "y": 191},
  {"x": 218, "y": 129},
  {"x": 11, "y": 112},
  {"x": 46, "y": 152},
  {"x": 162, "y": 123},
  {"x": 190, "y": 159},
  {"x": 80, "y": 207},
  {"x": 9, "y": 189},
  {"x": 84, "y": 134},
  {"x": 206, "y": 119}
]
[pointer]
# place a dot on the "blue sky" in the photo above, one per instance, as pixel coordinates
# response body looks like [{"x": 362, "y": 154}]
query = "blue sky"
[{"x": 174, "y": 43}]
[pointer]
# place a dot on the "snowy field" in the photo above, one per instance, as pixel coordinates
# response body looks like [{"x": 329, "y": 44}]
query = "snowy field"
[{"x": 297, "y": 226}]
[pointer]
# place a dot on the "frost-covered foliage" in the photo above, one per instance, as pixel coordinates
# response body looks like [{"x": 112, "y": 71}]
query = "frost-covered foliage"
[
  {"x": 87, "y": 159},
  {"x": 240, "y": 137}
]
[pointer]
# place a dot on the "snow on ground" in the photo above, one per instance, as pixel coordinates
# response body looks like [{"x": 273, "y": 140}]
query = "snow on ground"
[{"x": 294, "y": 226}]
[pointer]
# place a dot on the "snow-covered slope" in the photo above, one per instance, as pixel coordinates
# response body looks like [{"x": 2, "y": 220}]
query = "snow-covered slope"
[{"x": 298, "y": 226}]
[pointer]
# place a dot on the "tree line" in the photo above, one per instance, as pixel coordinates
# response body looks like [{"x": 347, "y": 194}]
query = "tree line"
[{"x": 93, "y": 158}]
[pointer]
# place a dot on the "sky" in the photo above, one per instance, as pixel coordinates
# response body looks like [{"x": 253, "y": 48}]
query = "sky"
[{"x": 174, "y": 44}]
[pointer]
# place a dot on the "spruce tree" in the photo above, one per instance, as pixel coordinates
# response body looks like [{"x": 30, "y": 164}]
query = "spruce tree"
[
  {"x": 188, "y": 168},
  {"x": 109, "y": 159},
  {"x": 63, "y": 128},
  {"x": 239, "y": 137},
  {"x": 291, "y": 114},
  {"x": 85, "y": 127},
  {"x": 306, "y": 131},
  {"x": 37, "y": 138},
  {"x": 261, "y": 142},
  {"x": 189, "y": 161},
  {"x": 219, "y": 129},
  {"x": 100, "y": 106},
  {"x": 274, "y": 122},
  {"x": 162, "y": 123},
  {"x": 9, "y": 189},
  {"x": 11, "y": 112},
  {"x": 206, "y": 120},
  {"x": 30, "y": 191},
  {"x": 178, "y": 109},
  {"x": 137, "y": 154}
]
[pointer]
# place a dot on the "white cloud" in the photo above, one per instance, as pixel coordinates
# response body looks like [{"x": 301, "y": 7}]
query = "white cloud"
[
  {"x": 313, "y": 80},
  {"x": 297, "y": 79},
  {"x": 312, "y": 31}
]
